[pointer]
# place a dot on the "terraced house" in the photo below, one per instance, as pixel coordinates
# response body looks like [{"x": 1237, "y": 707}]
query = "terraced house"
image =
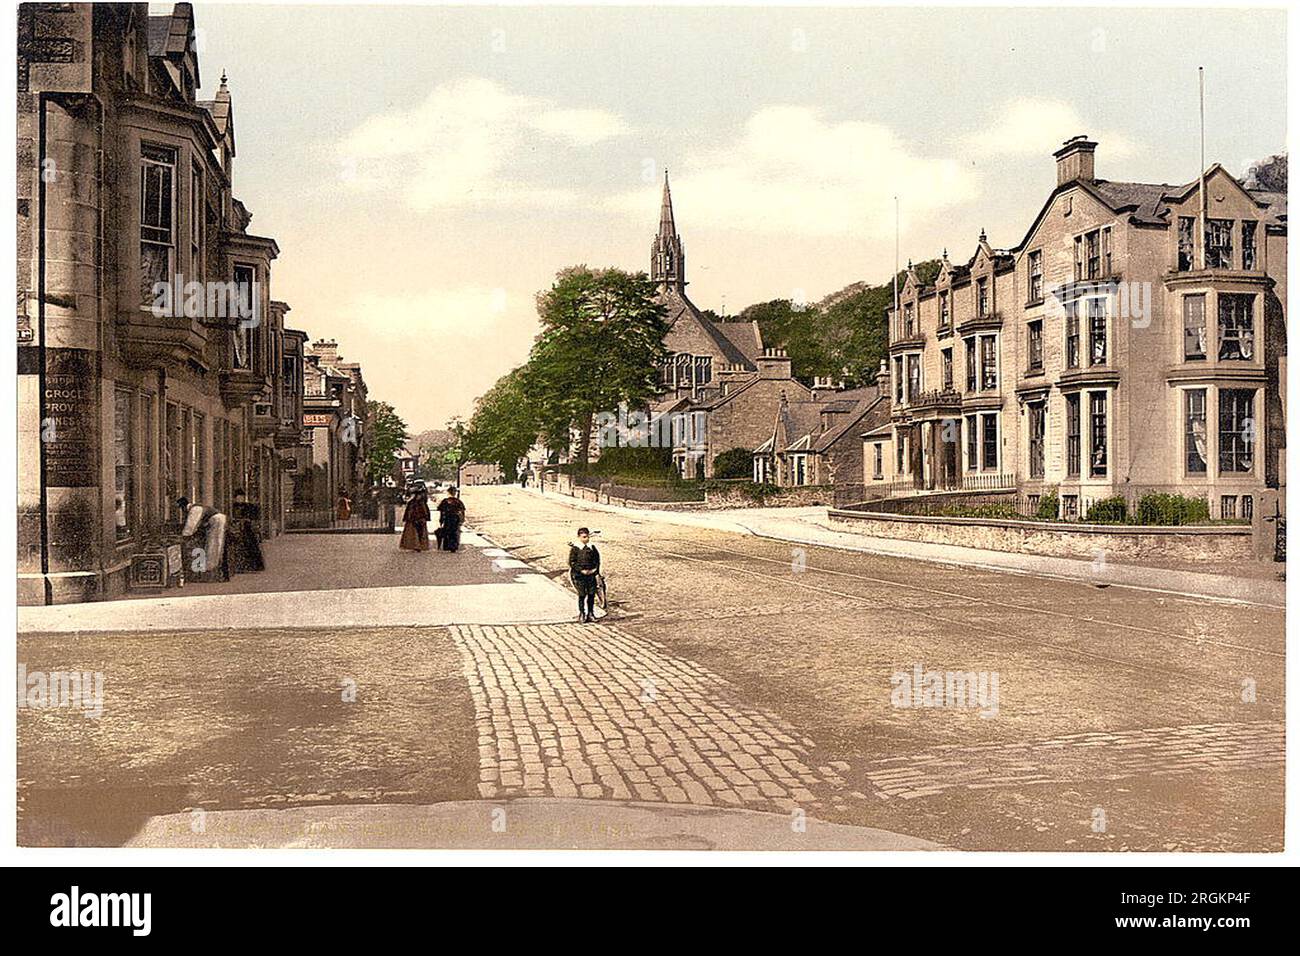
[
  {"x": 152, "y": 359},
  {"x": 1132, "y": 341}
]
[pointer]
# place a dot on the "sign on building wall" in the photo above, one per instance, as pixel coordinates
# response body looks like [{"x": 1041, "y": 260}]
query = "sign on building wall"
[
  {"x": 314, "y": 420},
  {"x": 70, "y": 426}
]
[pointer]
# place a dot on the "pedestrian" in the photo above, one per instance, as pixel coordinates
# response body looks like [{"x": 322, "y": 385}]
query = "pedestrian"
[
  {"x": 415, "y": 530},
  {"x": 245, "y": 540},
  {"x": 584, "y": 566},
  {"x": 451, "y": 512},
  {"x": 212, "y": 559},
  {"x": 344, "y": 508}
]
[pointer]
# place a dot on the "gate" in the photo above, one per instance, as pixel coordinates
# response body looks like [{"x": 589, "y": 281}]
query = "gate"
[{"x": 374, "y": 517}]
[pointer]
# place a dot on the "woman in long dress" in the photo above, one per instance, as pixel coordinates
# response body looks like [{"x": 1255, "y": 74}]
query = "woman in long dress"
[
  {"x": 451, "y": 511},
  {"x": 415, "y": 530},
  {"x": 245, "y": 547}
]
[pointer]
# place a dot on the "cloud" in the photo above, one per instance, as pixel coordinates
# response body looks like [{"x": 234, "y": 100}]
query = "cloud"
[
  {"x": 1037, "y": 127},
  {"x": 792, "y": 172},
  {"x": 464, "y": 143}
]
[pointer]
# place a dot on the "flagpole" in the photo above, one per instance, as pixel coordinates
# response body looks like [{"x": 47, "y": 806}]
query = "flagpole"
[
  {"x": 896, "y": 232},
  {"x": 1205, "y": 222}
]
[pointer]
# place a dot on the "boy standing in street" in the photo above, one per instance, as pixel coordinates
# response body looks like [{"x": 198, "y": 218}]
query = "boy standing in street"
[{"x": 584, "y": 565}]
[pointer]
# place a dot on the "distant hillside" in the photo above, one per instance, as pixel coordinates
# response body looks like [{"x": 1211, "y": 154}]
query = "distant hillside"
[{"x": 434, "y": 437}]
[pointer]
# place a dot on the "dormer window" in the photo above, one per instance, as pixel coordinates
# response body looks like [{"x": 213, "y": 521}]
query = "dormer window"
[
  {"x": 909, "y": 319},
  {"x": 982, "y": 297},
  {"x": 1218, "y": 244},
  {"x": 945, "y": 313}
]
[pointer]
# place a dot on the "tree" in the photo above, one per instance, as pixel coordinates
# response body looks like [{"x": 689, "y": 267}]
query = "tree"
[
  {"x": 734, "y": 463},
  {"x": 387, "y": 436},
  {"x": 1268, "y": 173},
  {"x": 504, "y": 425},
  {"x": 601, "y": 346}
]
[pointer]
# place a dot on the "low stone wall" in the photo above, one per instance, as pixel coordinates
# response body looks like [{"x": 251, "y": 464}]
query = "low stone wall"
[
  {"x": 727, "y": 496},
  {"x": 1225, "y": 545}
]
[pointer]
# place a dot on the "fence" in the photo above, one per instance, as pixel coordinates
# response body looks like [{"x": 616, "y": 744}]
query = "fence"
[{"x": 367, "y": 517}]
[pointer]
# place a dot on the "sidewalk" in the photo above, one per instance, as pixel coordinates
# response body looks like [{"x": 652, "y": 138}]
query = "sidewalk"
[
  {"x": 334, "y": 580},
  {"x": 810, "y": 526},
  {"x": 527, "y": 823}
]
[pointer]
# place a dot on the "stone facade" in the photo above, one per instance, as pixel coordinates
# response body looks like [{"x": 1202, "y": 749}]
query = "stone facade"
[
  {"x": 1118, "y": 349},
  {"x": 152, "y": 360},
  {"x": 335, "y": 428}
]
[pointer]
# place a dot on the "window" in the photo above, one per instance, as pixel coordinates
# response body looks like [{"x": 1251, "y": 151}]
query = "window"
[
  {"x": 1193, "y": 327},
  {"x": 1218, "y": 244},
  {"x": 970, "y": 364},
  {"x": 172, "y": 456},
  {"x": 1186, "y": 243},
  {"x": 913, "y": 377},
  {"x": 1036, "y": 345},
  {"x": 982, "y": 297},
  {"x": 201, "y": 458},
  {"x": 1107, "y": 261},
  {"x": 1236, "y": 326},
  {"x": 900, "y": 447},
  {"x": 196, "y": 223},
  {"x": 1072, "y": 334},
  {"x": 245, "y": 310},
  {"x": 909, "y": 320},
  {"x": 1078, "y": 258},
  {"x": 1228, "y": 507},
  {"x": 1249, "y": 256},
  {"x": 188, "y": 454},
  {"x": 1236, "y": 430},
  {"x": 123, "y": 464},
  {"x": 157, "y": 218},
  {"x": 1097, "y": 331},
  {"x": 149, "y": 431},
  {"x": 1097, "y": 438},
  {"x": 898, "y": 379},
  {"x": 1194, "y": 430},
  {"x": 990, "y": 440},
  {"x": 945, "y": 358},
  {"x": 945, "y": 315},
  {"x": 1069, "y": 506},
  {"x": 703, "y": 369},
  {"x": 1072, "y": 435},
  {"x": 1037, "y": 434},
  {"x": 1092, "y": 253},
  {"x": 799, "y": 469},
  {"x": 880, "y": 460},
  {"x": 988, "y": 362},
  {"x": 1036, "y": 276},
  {"x": 972, "y": 443},
  {"x": 1247, "y": 507}
]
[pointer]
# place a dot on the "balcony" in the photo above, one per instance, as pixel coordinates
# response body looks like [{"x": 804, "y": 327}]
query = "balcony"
[
  {"x": 935, "y": 399},
  {"x": 908, "y": 343}
]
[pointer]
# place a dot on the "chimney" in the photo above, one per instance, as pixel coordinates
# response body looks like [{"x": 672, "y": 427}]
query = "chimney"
[
  {"x": 773, "y": 364},
  {"x": 1075, "y": 160},
  {"x": 327, "y": 350}
]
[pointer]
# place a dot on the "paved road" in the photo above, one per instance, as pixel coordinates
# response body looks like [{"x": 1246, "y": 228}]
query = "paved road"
[
  {"x": 1122, "y": 719},
  {"x": 734, "y": 674}
]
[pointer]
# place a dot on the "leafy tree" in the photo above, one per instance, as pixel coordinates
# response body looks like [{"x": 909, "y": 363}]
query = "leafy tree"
[
  {"x": 601, "y": 345},
  {"x": 734, "y": 463},
  {"x": 504, "y": 425},
  {"x": 387, "y": 436},
  {"x": 1268, "y": 173}
]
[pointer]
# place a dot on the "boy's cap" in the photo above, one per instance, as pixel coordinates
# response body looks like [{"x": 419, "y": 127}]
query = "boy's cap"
[{"x": 583, "y": 531}]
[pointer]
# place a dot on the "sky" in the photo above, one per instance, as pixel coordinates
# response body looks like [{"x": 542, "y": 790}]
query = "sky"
[{"x": 427, "y": 170}]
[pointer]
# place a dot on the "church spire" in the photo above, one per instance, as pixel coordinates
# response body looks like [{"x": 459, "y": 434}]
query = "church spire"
[{"x": 667, "y": 258}]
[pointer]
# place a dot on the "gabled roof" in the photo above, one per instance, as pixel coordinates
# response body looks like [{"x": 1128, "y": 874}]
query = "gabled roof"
[
  {"x": 681, "y": 308},
  {"x": 867, "y": 411}
]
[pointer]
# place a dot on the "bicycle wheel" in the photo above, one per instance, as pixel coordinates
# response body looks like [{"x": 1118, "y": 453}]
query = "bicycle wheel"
[{"x": 601, "y": 597}]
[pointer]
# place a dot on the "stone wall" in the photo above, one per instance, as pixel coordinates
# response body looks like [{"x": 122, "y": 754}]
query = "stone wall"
[{"x": 1224, "y": 545}]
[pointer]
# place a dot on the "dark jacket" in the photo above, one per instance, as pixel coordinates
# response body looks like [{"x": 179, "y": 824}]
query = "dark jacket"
[{"x": 583, "y": 559}]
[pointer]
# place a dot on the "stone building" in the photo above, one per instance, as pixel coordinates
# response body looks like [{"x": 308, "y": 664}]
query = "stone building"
[
  {"x": 151, "y": 358},
  {"x": 335, "y": 428},
  {"x": 819, "y": 440},
  {"x": 1132, "y": 341}
]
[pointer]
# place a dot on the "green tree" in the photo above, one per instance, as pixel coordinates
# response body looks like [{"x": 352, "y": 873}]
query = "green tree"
[
  {"x": 387, "y": 436},
  {"x": 734, "y": 463},
  {"x": 504, "y": 424},
  {"x": 601, "y": 345}
]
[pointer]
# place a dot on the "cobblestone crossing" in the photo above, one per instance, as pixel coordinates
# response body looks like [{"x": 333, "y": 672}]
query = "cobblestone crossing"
[
  {"x": 1156, "y": 752},
  {"x": 573, "y": 710}
]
